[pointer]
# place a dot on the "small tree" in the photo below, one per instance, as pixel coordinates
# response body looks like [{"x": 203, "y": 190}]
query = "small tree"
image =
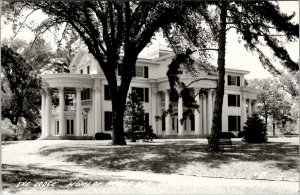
[
  {"x": 255, "y": 130},
  {"x": 134, "y": 115}
]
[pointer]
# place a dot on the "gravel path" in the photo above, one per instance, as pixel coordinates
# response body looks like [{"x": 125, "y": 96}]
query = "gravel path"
[{"x": 127, "y": 182}]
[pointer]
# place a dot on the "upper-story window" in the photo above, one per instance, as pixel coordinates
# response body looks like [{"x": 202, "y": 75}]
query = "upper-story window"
[
  {"x": 234, "y": 100},
  {"x": 81, "y": 71},
  {"x": 143, "y": 93},
  {"x": 234, "y": 80},
  {"x": 141, "y": 71},
  {"x": 85, "y": 94},
  {"x": 88, "y": 70}
]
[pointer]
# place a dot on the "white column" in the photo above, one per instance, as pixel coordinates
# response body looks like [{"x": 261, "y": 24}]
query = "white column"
[
  {"x": 159, "y": 113},
  {"x": 243, "y": 110},
  {"x": 97, "y": 91},
  {"x": 43, "y": 113},
  {"x": 200, "y": 114},
  {"x": 197, "y": 114},
  {"x": 168, "y": 116},
  {"x": 209, "y": 110},
  {"x": 204, "y": 115},
  {"x": 154, "y": 109},
  {"x": 49, "y": 112},
  {"x": 180, "y": 116},
  {"x": 254, "y": 106},
  {"x": 78, "y": 112},
  {"x": 213, "y": 99},
  {"x": 62, "y": 131},
  {"x": 249, "y": 108}
]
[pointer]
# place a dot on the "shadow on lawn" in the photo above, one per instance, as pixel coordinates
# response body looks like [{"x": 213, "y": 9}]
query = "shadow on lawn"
[
  {"x": 169, "y": 157},
  {"x": 12, "y": 175}
]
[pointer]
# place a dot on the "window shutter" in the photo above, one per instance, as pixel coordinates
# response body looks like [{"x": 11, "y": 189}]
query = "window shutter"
[
  {"x": 72, "y": 126},
  {"x": 239, "y": 123},
  {"x": 238, "y": 81},
  {"x": 229, "y": 80},
  {"x": 146, "y": 95},
  {"x": 146, "y": 71},
  {"x": 68, "y": 127},
  {"x": 106, "y": 121}
]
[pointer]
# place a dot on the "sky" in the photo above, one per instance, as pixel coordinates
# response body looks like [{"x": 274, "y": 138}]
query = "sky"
[{"x": 237, "y": 57}]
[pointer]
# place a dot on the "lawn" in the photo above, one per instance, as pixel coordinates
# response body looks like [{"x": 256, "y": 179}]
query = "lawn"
[{"x": 276, "y": 160}]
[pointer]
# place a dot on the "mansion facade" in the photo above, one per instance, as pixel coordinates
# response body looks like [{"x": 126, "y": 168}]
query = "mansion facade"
[{"x": 77, "y": 105}]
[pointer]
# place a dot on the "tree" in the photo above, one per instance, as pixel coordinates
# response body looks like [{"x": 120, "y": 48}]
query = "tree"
[
  {"x": 134, "y": 114},
  {"x": 20, "y": 88},
  {"x": 110, "y": 28},
  {"x": 273, "y": 102},
  {"x": 255, "y": 130},
  {"x": 256, "y": 23}
]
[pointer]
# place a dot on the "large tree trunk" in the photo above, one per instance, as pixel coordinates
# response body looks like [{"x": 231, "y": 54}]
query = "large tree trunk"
[
  {"x": 217, "y": 115},
  {"x": 119, "y": 99}
]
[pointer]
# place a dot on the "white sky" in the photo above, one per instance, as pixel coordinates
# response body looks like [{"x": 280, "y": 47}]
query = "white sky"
[{"x": 237, "y": 56}]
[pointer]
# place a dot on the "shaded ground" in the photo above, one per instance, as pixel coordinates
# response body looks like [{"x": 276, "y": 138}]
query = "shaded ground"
[
  {"x": 273, "y": 160},
  {"x": 151, "y": 164}
]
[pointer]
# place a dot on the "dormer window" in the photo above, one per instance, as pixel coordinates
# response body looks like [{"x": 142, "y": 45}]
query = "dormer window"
[{"x": 234, "y": 80}]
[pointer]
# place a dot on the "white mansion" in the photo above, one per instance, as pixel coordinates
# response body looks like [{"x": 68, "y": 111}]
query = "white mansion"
[{"x": 77, "y": 105}]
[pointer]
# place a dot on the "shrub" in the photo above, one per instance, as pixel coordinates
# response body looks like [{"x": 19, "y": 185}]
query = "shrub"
[
  {"x": 255, "y": 130},
  {"x": 7, "y": 131},
  {"x": 241, "y": 134},
  {"x": 103, "y": 136}
]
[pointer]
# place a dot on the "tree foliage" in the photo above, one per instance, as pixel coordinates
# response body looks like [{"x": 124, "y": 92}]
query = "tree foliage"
[
  {"x": 274, "y": 103},
  {"x": 255, "y": 130},
  {"x": 257, "y": 24},
  {"x": 20, "y": 88},
  {"x": 134, "y": 115}
]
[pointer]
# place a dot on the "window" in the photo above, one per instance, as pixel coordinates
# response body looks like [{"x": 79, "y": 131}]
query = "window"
[
  {"x": 108, "y": 121},
  {"x": 143, "y": 93},
  {"x": 234, "y": 100},
  {"x": 70, "y": 127},
  {"x": 85, "y": 126},
  {"x": 57, "y": 127},
  {"x": 141, "y": 71},
  {"x": 234, "y": 123},
  {"x": 68, "y": 100},
  {"x": 88, "y": 69},
  {"x": 163, "y": 123},
  {"x": 234, "y": 80},
  {"x": 81, "y": 71},
  {"x": 85, "y": 94}
]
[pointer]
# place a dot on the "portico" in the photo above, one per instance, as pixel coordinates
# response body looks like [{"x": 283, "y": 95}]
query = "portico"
[{"x": 61, "y": 119}]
